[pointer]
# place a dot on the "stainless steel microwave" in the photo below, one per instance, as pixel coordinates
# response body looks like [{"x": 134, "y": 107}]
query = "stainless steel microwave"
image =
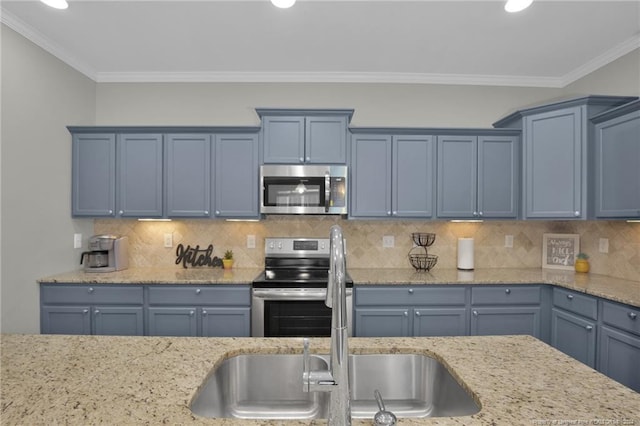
[{"x": 303, "y": 189}]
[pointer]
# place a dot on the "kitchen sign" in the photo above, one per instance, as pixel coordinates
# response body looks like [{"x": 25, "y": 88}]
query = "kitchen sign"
[
  {"x": 195, "y": 256},
  {"x": 559, "y": 251}
]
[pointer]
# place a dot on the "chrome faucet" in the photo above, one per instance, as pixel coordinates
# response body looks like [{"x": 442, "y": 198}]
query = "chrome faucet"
[{"x": 336, "y": 379}]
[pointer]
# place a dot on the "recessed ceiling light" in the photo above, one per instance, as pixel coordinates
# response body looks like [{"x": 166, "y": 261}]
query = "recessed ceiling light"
[
  {"x": 57, "y": 4},
  {"x": 283, "y": 4},
  {"x": 517, "y": 5}
]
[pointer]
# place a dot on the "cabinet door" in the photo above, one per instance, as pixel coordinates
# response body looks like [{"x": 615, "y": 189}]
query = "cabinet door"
[
  {"x": 236, "y": 176},
  {"x": 617, "y": 186},
  {"x": 226, "y": 322},
  {"x": 283, "y": 139},
  {"x": 65, "y": 320},
  {"x": 188, "y": 175},
  {"x": 619, "y": 357},
  {"x": 553, "y": 164},
  {"x": 93, "y": 175},
  {"x": 413, "y": 181},
  {"x": 574, "y": 335},
  {"x": 498, "y": 176},
  {"x": 140, "y": 175},
  {"x": 370, "y": 176},
  {"x": 457, "y": 176},
  {"x": 381, "y": 322},
  {"x": 503, "y": 321},
  {"x": 440, "y": 322},
  {"x": 172, "y": 321},
  {"x": 118, "y": 320},
  {"x": 326, "y": 140}
]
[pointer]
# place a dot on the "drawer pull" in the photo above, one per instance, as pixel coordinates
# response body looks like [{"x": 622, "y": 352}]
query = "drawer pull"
[
  {"x": 633, "y": 315},
  {"x": 410, "y": 291},
  {"x": 570, "y": 296},
  {"x": 198, "y": 291},
  {"x": 204, "y": 313},
  {"x": 417, "y": 313},
  {"x": 589, "y": 327},
  {"x": 96, "y": 312},
  {"x": 85, "y": 311},
  {"x": 406, "y": 314},
  {"x": 475, "y": 313},
  {"x": 508, "y": 291},
  {"x": 191, "y": 313},
  {"x": 90, "y": 290}
]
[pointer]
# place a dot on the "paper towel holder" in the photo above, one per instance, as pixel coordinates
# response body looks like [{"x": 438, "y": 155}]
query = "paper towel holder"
[{"x": 465, "y": 254}]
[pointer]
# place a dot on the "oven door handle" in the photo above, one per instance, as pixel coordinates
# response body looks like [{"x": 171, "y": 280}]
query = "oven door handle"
[{"x": 290, "y": 294}]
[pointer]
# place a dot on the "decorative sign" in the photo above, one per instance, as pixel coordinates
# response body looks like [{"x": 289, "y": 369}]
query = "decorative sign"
[
  {"x": 559, "y": 251},
  {"x": 194, "y": 256}
]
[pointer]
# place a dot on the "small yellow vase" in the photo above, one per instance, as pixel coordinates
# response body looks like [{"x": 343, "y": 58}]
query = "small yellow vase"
[
  {"x": 582, "y": 265},
  {"x": 228, "y": 263}
]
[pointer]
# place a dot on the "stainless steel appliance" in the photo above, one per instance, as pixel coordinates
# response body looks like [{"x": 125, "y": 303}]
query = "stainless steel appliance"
[
  {"x": 288, "y": 298},
  {"x": 107, "y": 253},
  {"x": 303, "y": 189}
]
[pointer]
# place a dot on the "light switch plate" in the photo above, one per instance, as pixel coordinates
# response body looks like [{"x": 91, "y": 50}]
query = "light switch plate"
[
  {"x": 388, "y": 241},
  {"x": 603, "y": 246},
  {"x": 251, "y": 241},
  {"x": 77, "y": 241},
  {"x": 508, "y": 241},
  {"x": 168, "y": 240}
]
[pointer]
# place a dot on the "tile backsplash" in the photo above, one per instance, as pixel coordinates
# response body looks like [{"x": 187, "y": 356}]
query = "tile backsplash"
[{"x": 364, "y": 240}]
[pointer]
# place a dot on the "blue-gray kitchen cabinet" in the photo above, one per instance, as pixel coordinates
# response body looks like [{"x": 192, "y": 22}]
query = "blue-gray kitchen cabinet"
[
  {"x": 573, "y": 324},
  {"x": 187, "y": 310},
  {"x": 556, "y": 162},
  {"x": 410, "y": 311},
  {"x": 85, "y": 309},
  {"x": 619, "y": 343},
  {"x": 503, "y": 310},
  {"x": 140, "y": 177},
  {"x": 617, "y": 163},
  {"x": 304, "y": 136},
  {"x": 188, "y": 175},
  {"x": 478, "y": 176},
  {"x": 236, "y": 183},
  {"x": 93, "y": 172},
  {"x": 392, "y": 175}
]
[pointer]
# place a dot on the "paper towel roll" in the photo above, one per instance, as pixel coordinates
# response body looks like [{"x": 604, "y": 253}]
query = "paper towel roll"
[{"x": 465, "y": 254}]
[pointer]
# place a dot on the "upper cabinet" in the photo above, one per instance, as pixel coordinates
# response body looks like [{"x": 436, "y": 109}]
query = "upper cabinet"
[
  {"x": 392, "y": 175},
  {"x": 304, "y": 136},
  {"x": 556, "y": 157},
  {"x": 93, "y": 174},
  {"x": 478, "y": 176},
  {"x": 617, "y": 163}
]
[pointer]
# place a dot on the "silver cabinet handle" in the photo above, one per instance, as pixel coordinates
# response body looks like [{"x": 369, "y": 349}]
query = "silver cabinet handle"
[
  {"x": 570, "y": 296},
  {"x": 480, "y": 214},
  {"x": 121, "y": 212},
  {"x": 406, "y": 314},
  {"x": 475, "y": 214},
  {"x": 302, "y": 159},
  {"x": 217, "y": 212},
  {"x": 410, "y": 291},
  {"x": 389, "y": 213},
  {"x": 96, "y": 312},
  {"x": 633, "y": 315},
  {"x": 90, "y": 290},
  {"x": 508, "y": 291},
  {"x": 394, "y": 213},
  {"x": 589, "y": 327},
  {"x": 110, "y": 212},
  {"x": 198, "y": 291},
  {"x": 417, "y": 313},
  {"x": 206, "y": 212},
  {"x": 85, "y": 311},
  {"x": 204, "y": 313},
  {"x": 191, "y": 313},
  {"x": 475, "y": 313},
  {"x": 576, "y": 213},
  {"x": 308, "y": 158}
]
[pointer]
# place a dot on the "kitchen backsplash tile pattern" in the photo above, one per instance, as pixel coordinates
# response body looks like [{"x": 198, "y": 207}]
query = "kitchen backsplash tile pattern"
[{"x": 364, "y": 241}]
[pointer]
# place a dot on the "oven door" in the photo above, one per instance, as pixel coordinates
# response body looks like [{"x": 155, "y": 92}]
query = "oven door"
[{"x": 294, "y": 312}]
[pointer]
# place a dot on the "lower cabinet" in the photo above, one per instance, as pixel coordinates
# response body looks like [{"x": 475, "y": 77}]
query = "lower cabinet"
[
  {"x": 574, "y": 335},
  {"x": 213, "y": 311},
  {"x": 99, "y": 309}
]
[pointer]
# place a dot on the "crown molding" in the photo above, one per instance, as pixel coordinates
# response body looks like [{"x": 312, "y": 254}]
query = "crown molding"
[{"x": 39, "y": 39}]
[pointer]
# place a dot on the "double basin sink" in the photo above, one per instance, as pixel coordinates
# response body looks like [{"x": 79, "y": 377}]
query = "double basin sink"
[{"x": 269, "y": 386}]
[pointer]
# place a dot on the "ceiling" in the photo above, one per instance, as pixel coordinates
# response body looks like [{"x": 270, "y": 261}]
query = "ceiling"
[{"x": 550, "y": 44}]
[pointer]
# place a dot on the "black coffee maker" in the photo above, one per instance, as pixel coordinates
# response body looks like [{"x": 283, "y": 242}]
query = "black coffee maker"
[{"x": 107, "y": 253}]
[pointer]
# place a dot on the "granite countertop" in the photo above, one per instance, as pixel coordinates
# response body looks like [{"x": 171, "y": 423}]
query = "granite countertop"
[
  {"x": 54, "y": 379},
  {"x": 616, "y": 289}
]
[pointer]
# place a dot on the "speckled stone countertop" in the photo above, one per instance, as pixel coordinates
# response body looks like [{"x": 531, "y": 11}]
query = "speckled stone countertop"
[
  {"x": 624, "y": 291},
  {"x": 517, "y": 380}
]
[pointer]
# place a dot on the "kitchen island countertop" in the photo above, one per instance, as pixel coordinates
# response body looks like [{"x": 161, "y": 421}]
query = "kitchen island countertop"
[
  {"x": 616, "y": 289},
  {"x": 49, "y": 379}
]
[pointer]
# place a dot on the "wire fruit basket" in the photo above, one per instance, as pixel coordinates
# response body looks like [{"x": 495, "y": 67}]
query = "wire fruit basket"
[{"x": 419, "y": 256}]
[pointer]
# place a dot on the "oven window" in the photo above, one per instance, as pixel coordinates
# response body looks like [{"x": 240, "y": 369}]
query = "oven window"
[
  {"x": 294, "y": 192},
  {"x": 301, "y": 318}
]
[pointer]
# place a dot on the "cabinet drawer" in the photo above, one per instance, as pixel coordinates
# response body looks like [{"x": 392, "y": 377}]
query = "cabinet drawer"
[
  {"x": 411, "y": 295},
  {"x": 505, "y": 295},
  {"x": 575, "y": 302},
  {"x": 99, "y": 293},
  {"x": 199, "y": 295},
  {"x": 623, "y": 317}
]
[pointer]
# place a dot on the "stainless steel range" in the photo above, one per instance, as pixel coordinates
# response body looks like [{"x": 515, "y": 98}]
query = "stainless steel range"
[{"x": 288, "y": 298}]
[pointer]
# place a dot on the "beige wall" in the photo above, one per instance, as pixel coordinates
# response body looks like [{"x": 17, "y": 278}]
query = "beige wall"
[{"x": 40, "y": 96}]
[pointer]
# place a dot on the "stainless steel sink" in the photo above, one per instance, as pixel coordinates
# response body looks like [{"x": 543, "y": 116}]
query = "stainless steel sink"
[{"x": 270, "y": 387}]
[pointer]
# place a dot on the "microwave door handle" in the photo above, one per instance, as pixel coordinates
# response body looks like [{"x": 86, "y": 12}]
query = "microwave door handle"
[{"x": 327, "y": 191}]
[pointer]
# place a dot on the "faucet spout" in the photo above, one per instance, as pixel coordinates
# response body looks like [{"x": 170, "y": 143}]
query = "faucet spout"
[{"x": 336, "y": 379}]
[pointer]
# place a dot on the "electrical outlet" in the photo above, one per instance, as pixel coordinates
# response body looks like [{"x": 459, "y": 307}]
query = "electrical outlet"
[
  {"x": 388, "y": 241},
  {"x": 508, "y": 241},
  {"x": 603, "y": 247},
  {"x": 168, "y": 240},
  {"x": 251, "y": 241},
  {"x": 77, "y": 241}
]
